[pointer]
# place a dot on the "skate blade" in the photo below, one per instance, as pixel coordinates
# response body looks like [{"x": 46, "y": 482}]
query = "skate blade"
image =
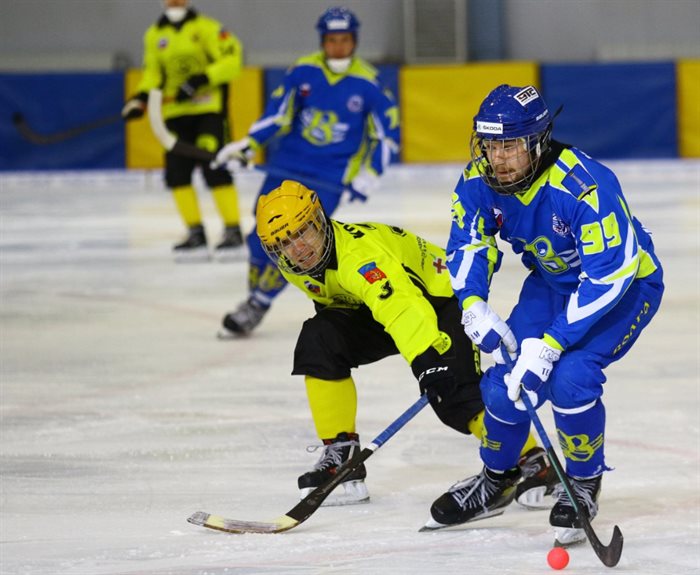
[
  {"x": 353, "y": 493},
  {"x": 432, "y": 525},
  {"x": 192, "y": 256},
  {"x": 226, "y": 335},
  {"x": 230, "y": 255},
  {"x": 568, "y": 536},
  {"x": 535, "y": 499}
]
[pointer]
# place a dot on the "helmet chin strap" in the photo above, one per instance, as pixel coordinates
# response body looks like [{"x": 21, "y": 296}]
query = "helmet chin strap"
[{"x": 338, "y": 65}]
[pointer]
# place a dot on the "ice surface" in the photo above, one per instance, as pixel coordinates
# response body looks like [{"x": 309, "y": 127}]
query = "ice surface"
[{"x": 122, "y": 414}]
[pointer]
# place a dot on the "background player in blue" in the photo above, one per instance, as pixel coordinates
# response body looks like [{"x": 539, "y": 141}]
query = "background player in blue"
[
  {"x": 335, "y": 124},
  {"x": 594, "y": 285}
]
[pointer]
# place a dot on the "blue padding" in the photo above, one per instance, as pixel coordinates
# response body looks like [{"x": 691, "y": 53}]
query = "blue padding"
[
  {"x": 53, "y": 103},
  {"x": 614, "y": 110},
  {"x": 388, "y": 77}
]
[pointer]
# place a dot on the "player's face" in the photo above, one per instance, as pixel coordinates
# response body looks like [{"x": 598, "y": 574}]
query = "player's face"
[
  {"x": 510, "y": 159},
  {"x": 338, "y": 45},
  {"x": 304, "y": 249}
]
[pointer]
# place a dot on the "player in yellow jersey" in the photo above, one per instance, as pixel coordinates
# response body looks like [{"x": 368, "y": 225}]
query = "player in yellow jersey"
[
  {"x": 192, "y": 58},
  {"x": 378, "y": 290}
]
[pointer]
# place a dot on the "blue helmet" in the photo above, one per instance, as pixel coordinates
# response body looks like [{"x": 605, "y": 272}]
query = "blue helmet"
[
  {"x": 511, "y": 113},
  {"x": 337, "y": 19}
]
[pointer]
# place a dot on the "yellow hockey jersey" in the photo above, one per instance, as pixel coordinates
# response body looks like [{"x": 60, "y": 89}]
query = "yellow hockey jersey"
[
  {"x": 196, "y": 45},
  {"x": 395, "y": 273}
]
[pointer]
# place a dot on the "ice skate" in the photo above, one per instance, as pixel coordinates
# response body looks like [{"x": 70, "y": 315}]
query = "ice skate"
[
  {"x": 539, "y": 480},
  {"x": 567, "y": 528},
  {"x": 242, "y": 321},
  {"x": 484, "y": 495},
  {"x": 231, "y": 246},
  {"x": 335, "y": 452},
  {"x": 193, "y": 248}
]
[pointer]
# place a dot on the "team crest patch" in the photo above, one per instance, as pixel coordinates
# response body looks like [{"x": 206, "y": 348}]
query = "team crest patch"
[
  {"x": 371, "y": 272},
  {"x": 559, "y": 226},
  {"x": 305, "y": 90},
  {"x": 498, "y": 215},
  {"x": 313, "y": 288},
  {"x": 162, "y": 43},
  {"x": 355, "y": 103}
]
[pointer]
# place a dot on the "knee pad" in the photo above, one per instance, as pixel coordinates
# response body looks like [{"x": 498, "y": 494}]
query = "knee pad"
[
  {"x": 577, "y": 379},
  {"x": 495, "y": 395}
]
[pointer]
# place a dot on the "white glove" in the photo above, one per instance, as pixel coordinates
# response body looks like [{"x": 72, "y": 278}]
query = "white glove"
[
  {"x": 532, "y": 369},
  {"x": 486, "y": 329},
  {"x": 362, "y": 185},
  {"x": 234, "y": 156}
]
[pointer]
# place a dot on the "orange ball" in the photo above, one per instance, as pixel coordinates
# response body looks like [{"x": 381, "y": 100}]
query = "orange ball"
[{"x": 558, "y": 558}]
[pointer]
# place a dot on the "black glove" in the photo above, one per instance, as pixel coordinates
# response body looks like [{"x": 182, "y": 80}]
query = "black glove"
[
  {"x": 188, "y": 88},
  {"x": 435, "y": 377},
  {"x": 135, "y": 106}
]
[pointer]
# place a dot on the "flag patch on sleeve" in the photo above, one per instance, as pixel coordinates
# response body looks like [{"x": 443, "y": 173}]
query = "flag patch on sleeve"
[{"x": 371, "y": 272}]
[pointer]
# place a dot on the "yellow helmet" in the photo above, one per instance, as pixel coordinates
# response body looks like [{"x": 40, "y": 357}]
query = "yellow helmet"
[{"x": 294, "y": 230}]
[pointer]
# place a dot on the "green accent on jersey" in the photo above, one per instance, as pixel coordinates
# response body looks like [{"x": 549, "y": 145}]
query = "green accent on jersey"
[
  {"x": 458, "y": 211},
  {"x": 551, "y": 342},
  {"x": 321, "y": 122},
  {"x": 548, "y": 258},
  {"x": 591, "y": 198},
  {"x": 199, "y": 46},
  {"x": 414, "y": 270},
  {"x": 358, "y": 68},
  {"x": 597, "y": 237}
]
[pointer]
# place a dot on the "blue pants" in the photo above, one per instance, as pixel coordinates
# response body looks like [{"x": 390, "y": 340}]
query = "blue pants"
[
  {"x": 575, "y": 385},
  {"x": 265, "y": 282}
]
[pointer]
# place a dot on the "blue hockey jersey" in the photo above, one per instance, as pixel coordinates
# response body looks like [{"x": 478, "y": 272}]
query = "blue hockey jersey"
[
  {"x": 573, "y": 225},
  {"x": 331, "y": 125}
]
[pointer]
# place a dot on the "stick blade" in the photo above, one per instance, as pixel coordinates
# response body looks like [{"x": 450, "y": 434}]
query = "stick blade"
[
  {"x": 219, "y": 523},
  {"x": 610, "y": 555}
]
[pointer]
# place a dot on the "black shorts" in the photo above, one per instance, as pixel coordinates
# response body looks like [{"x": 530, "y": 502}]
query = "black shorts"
[
  {"x": 178, "y": 168},
  {"x": 336, "y": 340}
]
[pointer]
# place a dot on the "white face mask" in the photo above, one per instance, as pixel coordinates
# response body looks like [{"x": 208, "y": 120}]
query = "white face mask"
[
  {"x": 176, "y": 13},
  {"x": 338, "y": 65}
]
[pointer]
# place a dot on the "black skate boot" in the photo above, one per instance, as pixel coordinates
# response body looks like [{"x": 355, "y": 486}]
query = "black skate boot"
[
  {"x": 335, "y": 452},
  {"x": 478, "y": 497},
  {"x": 194, "y": 248},
  {"x": 539, "y": 480},
  {"x": 567, "y": 527},
  {"x": 231, "y": 246},
  {"x": 242, "y": 321}
]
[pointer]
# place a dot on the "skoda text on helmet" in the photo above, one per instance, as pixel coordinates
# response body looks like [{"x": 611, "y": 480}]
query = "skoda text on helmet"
[
  {"x": 294, "y": 230},
  {"x": 512, "y": 132}
]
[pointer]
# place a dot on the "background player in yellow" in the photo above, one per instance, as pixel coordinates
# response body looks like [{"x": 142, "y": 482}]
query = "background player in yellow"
[
  {"x": 378, "y": 290},
  {"x": 192, "y": 58}
]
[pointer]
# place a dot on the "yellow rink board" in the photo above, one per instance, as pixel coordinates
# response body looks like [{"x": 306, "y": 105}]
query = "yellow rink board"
[
  {"x": 688, "y": 78},
  {"x": 245, "y": 106},
  {"x": 438, "y": 104}
]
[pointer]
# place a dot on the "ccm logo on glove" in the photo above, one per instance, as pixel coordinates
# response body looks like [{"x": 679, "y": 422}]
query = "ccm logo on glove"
[{"x": 432, "y": 370}]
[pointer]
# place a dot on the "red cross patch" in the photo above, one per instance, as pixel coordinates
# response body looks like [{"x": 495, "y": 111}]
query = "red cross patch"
[{"x": 439, "y": 266}]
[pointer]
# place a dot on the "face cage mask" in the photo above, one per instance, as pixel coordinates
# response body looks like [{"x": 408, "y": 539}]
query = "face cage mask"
[
  {"x": 318, "y": 230},
  {"x": 536, "y": 145}
]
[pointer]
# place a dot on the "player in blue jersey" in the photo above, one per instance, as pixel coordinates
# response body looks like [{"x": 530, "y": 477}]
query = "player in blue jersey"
[
  {"x": 334, "y": 124},
  {"x": 593, "y": 287}
]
